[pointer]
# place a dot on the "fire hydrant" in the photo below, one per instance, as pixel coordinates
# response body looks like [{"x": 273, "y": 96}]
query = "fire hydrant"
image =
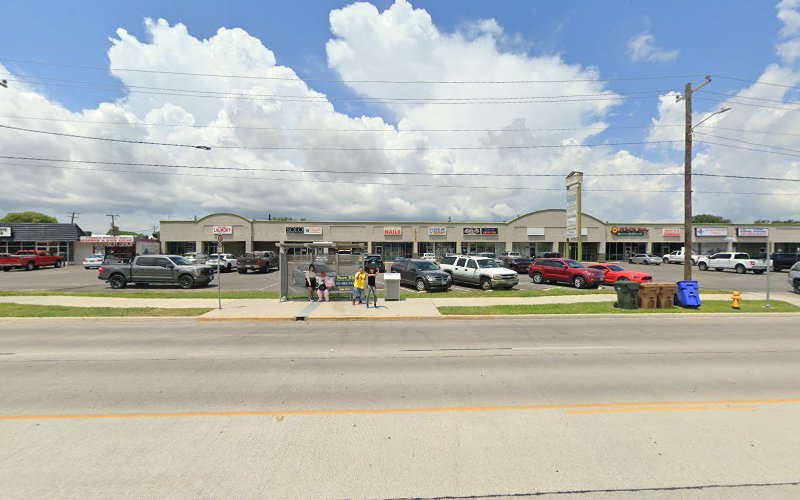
[{"x": 737, "y": 300}]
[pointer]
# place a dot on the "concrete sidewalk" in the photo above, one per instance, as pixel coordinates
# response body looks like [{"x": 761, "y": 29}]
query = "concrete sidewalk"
[{"x": 273, "y": 309}]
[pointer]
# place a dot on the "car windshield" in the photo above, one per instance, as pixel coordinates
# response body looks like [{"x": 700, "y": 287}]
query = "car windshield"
[
  {"x": 212, "y": 256},
  {"x": 484, "y": 263},
  {"x": 427, "y": 266},
  {"x": 615, "y": 267},
  {"x": 574, "y": 263},
  {"x": 180, "y": 261}
]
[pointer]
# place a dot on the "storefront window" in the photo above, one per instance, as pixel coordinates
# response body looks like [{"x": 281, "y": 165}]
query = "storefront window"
[
  {"x": 622, "y": 250},
  {"x": 180, "y": 247},
  {"x": 392, "y": 250}
]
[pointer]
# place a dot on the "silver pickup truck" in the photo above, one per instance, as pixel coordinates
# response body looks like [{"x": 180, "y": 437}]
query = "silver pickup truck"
[
  {"x": 488, "y": 273},
  {"x": 156, "y": 269}
]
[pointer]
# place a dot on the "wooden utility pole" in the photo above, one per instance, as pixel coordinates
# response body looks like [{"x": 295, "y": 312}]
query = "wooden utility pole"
[
  {"x": 114, "y": 229},
  {"x": 687, "y": 179},
  {"x": 72, "y": 216}
]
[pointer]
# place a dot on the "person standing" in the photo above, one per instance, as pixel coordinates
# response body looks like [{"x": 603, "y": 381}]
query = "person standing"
[
  {"x": 311, "y": 281},
  {"x": 372, "y": 275},
  {"x": 358, "y": 285}
]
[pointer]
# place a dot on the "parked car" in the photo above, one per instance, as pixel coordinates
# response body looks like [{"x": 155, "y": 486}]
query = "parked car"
[
  {"x": 645, "y": 258},
  {"x": 299, "y": 272},
  {"x": 488, "y": 273},
  {"x": 93, "y": 261},
  {"x": 422, "y": 274},
  {"x": 794, "y": 277},
  {"x": 565, "y": 271},
  {"x": 739, "y": 262},
  {"x": 549, "y": 255},
  {"x": 226, "y": 261},
  {"x": 781, "y": 261},
  {"x": 30, "y": 260},
  {"x": 509, "y": 255},
  {"x": 676, "y": 257},
  {"x": 614, "y": 273},
  {"x": 260, "y": 262},
  {"x": 518, "y": 264},
  {"x": 488, "y": 255},
  {"x": 161, "y": 269},
  {"x": 376, "y": 261},
  {"x": 195, "y": 257},
  {"x": 429, "y": 256}
]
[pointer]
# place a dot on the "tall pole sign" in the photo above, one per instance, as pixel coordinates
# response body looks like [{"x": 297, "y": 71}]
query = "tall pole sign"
[{"x": 573, "y": 183}]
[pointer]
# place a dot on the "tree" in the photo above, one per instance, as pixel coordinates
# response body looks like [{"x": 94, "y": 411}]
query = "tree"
[
  {"x": 709, "y": 219},
  {"x": 28, "y": 217}
]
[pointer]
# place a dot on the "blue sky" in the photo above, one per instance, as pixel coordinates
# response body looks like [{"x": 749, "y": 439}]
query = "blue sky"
[{"x": 626, "y": 42}]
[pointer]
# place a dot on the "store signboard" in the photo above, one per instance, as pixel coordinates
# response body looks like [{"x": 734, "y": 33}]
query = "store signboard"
[
  {"x": 711, "y": 231},
  {"x": 629, "y": 231},
  {"x": 5, "y": 232},
  {"x": 535, "y": 231},
  {"x": 489, "y": 230},
  {"x": 671, "y": 233},
  {"x": 572, "y": 211},
  {"x": 312, "y": 230},
  {"x": 392, "y": 231},
  {"x": 760, "y": 232},
  {"x": 222, "y": 230},
  {"x": 126, "y": 239},
  {"x": 437, "y": 231},
  {"x": 294, "y": 230},
  {"x": 471, "y": 231}
]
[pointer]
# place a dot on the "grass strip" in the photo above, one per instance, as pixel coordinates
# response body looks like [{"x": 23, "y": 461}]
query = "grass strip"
[
  {"x": 42, "y": 311},
  {"x": 709, "y": 306}
]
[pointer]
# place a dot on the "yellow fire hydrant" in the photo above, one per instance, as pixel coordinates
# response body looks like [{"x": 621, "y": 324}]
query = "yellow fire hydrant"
[{"x": 737, "y": 300}]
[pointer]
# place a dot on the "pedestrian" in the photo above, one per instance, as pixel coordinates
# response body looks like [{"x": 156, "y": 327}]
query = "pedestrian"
[
  {"x": 371, "y": 277},
  {"x": 358, "y": 285},
  {"x": 311, "y": 281},
  {"x": 324, "y": 288}
]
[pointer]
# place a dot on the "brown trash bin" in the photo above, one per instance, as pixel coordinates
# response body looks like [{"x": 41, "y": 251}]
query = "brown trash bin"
[
  {"x": 648, "y": 295},
  {"x": 666, "y": 295}
]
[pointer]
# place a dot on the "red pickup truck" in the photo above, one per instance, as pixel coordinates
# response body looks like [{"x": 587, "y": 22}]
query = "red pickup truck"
[{"x": 30, "y": 260}]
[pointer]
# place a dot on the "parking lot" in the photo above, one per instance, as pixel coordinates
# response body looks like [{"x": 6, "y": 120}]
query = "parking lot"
[{"x": 78, "y": 279}]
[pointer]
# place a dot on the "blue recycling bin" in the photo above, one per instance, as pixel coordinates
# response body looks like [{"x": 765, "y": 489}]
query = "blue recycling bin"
[{"x": 688, "y": 294}]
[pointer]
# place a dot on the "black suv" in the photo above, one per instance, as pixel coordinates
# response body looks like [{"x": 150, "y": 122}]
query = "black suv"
[
  {"x": 518, "y": 264},
  {"x": 374, "y": 261},
  {"x": 422, "y": 274}
]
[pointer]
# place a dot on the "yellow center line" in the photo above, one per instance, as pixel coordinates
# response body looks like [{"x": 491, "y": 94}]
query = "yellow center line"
[
  {"x": 387, "y": 411},
  {"x": 665, "y": 409}
]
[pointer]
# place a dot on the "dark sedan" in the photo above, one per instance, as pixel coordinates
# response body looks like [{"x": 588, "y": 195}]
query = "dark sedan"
[
  {"x": 422, "y": 274},
  {"x": 518, "y": 264},
  {"x": 376, "y": 262}
]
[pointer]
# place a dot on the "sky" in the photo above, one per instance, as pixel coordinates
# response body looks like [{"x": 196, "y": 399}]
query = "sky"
[{"x": 396, "y": 110}]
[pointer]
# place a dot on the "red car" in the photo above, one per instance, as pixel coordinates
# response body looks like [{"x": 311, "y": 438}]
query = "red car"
[
  {"x": 565, "y": 271},
  {"x": 616, "y": 273}
]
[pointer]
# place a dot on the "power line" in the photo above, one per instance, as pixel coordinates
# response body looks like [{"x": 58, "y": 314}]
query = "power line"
[
  {"x": 779, "y": 101},
  {"x": 313, "y": 129},
  {"x": 338, "y": 80},
  {"x": 749, "y": 149},
  {"x": 739, "y": 103},
  {"x": 313, "y": 148},
  {"x": 758, "y": 82},
  {"x": 747, "y": 142}
]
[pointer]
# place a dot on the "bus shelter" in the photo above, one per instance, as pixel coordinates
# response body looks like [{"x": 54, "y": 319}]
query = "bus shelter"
[{"x": 337, "y": 261}]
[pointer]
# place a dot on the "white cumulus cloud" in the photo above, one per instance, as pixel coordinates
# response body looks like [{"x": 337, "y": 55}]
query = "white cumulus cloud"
[{"x": 643, "y": 48}]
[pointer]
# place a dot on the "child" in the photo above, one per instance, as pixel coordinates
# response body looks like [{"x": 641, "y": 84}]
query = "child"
[{"x": 371, "y": 276}]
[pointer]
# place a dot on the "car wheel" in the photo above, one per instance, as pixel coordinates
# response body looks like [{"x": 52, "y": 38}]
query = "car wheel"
[
  {"x": 579, "y": 282},
  {"x": 796, "y": 285},
  {"x": 486, "y": 284},
  {"x": 186, "y": 282},
  {"x": 118, "y": 282},
  {"x": 29, "y": 266},
  {"x": 740, "y": 269},
  {"x": 538, "y": 278},
  {"x": 718, "y": 269},
  {"x": 630, "y": 261},
  {"x": 421, "y": 285},
  {"x": 758, "y": 272},
  {"x": 623, "y": 278},
  {"x": 242, "y": 271},
  {"x": 58, "y": 263},
  {"x": 703, "y": 266},
  {"x": 229, "y": 268},
  {"x": 692, "y": 262},
  {"x": 666, "y": 260}
]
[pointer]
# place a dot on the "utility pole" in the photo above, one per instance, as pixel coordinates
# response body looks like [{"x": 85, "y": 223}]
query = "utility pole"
[
  {"x": 73, "y": 216},
  {"x": 687, "y": 178},
  {"x": 113, "y": 224}
]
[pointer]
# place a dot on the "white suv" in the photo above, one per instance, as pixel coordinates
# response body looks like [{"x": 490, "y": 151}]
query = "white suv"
[
  {"x": 226, "y": 261},
  {"x": 794, "y": 277}
]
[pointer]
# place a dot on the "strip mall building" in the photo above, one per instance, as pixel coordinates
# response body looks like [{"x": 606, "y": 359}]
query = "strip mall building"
[{"x": 530, "y": 234}]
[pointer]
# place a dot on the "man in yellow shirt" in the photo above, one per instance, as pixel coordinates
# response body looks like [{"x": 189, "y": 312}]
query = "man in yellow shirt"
[{"x": 358, "y": 285}]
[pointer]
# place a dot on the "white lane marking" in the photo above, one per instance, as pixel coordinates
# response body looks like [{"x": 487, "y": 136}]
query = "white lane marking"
[
  {"x": 568, "y": 348},
  {"x": 268, "y": 286}
]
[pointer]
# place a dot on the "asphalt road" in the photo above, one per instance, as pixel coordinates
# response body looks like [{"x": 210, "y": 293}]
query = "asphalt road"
[
  {"x": 75, "y": 278},
  {"x": 633, "y": 407}
]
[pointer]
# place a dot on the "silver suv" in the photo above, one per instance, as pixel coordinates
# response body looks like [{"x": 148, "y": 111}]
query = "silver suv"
[{"x": 794, "y": 277}]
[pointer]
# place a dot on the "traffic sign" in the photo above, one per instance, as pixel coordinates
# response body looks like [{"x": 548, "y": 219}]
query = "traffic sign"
[{"x": 220, "y": 238}]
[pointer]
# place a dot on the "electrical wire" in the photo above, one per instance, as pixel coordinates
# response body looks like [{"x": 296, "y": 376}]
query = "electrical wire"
[
  {"x": 312, "y": 148},
  {"x": 338, "y": 80},
  {"x": 758, "y": 82},
  {"x": 748, "y": 149},
  {"x": 747, "y": 142}
]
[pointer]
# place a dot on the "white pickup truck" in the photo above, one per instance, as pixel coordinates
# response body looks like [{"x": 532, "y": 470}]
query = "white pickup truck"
[
  {"x": 676, "y": 257},
  {"x": 739, "y": 262},
  {"x": 488, "y": 273}
]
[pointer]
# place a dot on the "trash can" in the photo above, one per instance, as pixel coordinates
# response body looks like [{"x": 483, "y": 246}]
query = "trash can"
[
  {"x": 666, "y": 295},
  {"x": 648, "y": 295},
  {"x": 392, "y": 286},
  {"x": 627, "y": 291},
  {"x": 688, "y": 294}
]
